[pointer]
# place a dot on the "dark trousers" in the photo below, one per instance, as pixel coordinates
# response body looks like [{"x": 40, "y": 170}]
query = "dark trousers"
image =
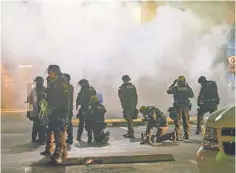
[
  {"x": 38, "y": 130},
  {"x": 207, "y": 107},
  {"x": 182, "y": 113},
  {"x": 128, "y": 116},
  {"x": 98, "y": 130},
  {"x": 69, "y": 130},
  {"x": 57, "y": 126},
  {"x": 84, "y": 122}
]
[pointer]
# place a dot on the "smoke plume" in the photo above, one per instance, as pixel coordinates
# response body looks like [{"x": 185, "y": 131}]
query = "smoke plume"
[{"x": 101, "y": 41}]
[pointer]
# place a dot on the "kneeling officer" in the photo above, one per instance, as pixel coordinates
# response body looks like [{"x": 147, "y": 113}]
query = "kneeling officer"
[
  {"x": 97, "y": 118},
  {"x": 155, "y": 118}
]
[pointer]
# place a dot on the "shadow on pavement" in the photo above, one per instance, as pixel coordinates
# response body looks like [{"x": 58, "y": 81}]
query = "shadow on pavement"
[
  {"x": 165, "y": 144},
  {"x": 44, "y": 166},
  {"x": 193, "y": 141},
  {"x": 24, "y": 148},
  {"x": 48, "y": 169},
  {"x": 135, "y": 140},
  {"x": 83, "y": 144}
]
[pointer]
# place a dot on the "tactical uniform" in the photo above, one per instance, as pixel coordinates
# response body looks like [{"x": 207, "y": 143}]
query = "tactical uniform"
[
  {"x": 49, "y": 148},
  {"x": 58, "y": 98},
  {"x": 182, "y": 92},
  {"x": 36, "y": 96},
  {"x": 70, "y": 126},
  {"x": 208, "y": 100},
  {"x": 155, "y": 118},
  {"x": 129, "y": 100},
  {"x": 97, "y": 116},
  {"x": 86, "y": 92}
]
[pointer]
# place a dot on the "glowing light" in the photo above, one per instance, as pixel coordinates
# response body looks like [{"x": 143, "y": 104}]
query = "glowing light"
[{"x": 25, "y": 66}]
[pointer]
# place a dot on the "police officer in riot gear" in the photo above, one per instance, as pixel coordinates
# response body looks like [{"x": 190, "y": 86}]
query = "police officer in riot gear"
[
  {"x": 129, "y": 100},
  {"x": 182, "y": 93},
  {"x": 83, "y": 98},
  {"x": 155, "y": 118},
  {"x": 208, "y": 100},
  {"x": 49, "y": 148},
  {"x": 97, "y": 118},
  {"x": 70, "y": 126},
  {"x": 58, "y": 99},
  {"x": 36, "y": 96}
]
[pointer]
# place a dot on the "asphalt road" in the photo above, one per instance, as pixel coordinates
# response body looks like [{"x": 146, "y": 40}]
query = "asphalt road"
[{"x": 18, "y": 154}]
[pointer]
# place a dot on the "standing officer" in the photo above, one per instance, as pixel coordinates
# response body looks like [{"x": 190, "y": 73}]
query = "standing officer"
[
  {"x": 129, "y": 100},
  {"x": 49, "y": 148},
  {"x": 208, "y": 100},
  {"x": 155, "y": 118},
  {"x": 70, "y": 126},
  {"x": 36, "y": 96},
  {"x": 182, "y": 93},
  {"x": 84, "y": 95},
  {"x": 58, "y": 99},
  {"x": 97, "y": 115}
]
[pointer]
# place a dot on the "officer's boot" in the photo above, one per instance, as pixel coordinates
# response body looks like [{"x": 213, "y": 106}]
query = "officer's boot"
[
  {"x": 90, "y": 135},
  {"x": 79, "y": 135},
  {"x": 142, "y": 137},
  {"x": 173, "y": 136},
  {"x": 199, "y": 129},
  {"x": 130, "y": 134},
  {"x": 147, "y": 141},
  {"x": 153, "y": 138},
  {"x": 49, "y": 145},
  {"x": 60, "y": 148},
  {"x": 106, "y": 137}
]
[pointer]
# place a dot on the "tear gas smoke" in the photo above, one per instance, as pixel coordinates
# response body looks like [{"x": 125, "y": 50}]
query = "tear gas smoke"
[{"x": 101, "y": 42}]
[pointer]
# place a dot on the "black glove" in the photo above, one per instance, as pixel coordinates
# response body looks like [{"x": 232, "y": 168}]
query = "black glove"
[{"x": 175, "y": 81}]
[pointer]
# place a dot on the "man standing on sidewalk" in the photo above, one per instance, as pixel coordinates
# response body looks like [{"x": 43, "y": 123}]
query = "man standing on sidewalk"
[{"x": 129, "y": 100}]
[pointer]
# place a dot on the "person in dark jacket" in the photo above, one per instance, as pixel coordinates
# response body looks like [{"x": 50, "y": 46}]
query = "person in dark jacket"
[
  {"x": 129, "y": 100},
  {"x": 182, "y": 93},
  {"x": 35, "y": 97},
  {"x": 83, "y": 98},
  {"x": 70, "y": 126},
  {"x": 208, "y": 100},
  {"x": 58, "y": 99},
  {"x": 97, "y": 117},
  {"x": 155, "y": 119}
]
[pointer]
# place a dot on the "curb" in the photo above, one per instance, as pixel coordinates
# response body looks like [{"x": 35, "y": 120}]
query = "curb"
[
  {"x": 120, "y": 159},
  {"x": 114, "y": 159}
]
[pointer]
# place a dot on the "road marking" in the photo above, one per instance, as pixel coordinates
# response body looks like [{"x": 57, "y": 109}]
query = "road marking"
[
  {"x": 193, "y": 161},
  {"x": 125, "y": 128}
]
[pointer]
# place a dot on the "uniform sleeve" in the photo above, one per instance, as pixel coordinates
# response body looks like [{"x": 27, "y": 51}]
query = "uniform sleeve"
[
  {"x": 31, "y": 97},
  {"x": 121, "y": 96},
  {"x": 200, "y": 96},
  {"x": 71, "y": 97},
  {"x": 171, "y": 90},
  {"x": 217, "y": 95},
  {"x": 63, "y": 88},
  {"x": 85, "y": 95},
  {"x": 135, "y": 95},
  {"x": 78, "y": 99},
  {"x": 191, "y": 94}
]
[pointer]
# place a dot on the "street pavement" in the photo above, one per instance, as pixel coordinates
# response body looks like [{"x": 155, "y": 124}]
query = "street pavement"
[{"x": 18, "y": 155}]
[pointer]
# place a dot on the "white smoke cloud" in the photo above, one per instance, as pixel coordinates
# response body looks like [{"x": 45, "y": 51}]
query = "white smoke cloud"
[{"x": 101, "y": 41}]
